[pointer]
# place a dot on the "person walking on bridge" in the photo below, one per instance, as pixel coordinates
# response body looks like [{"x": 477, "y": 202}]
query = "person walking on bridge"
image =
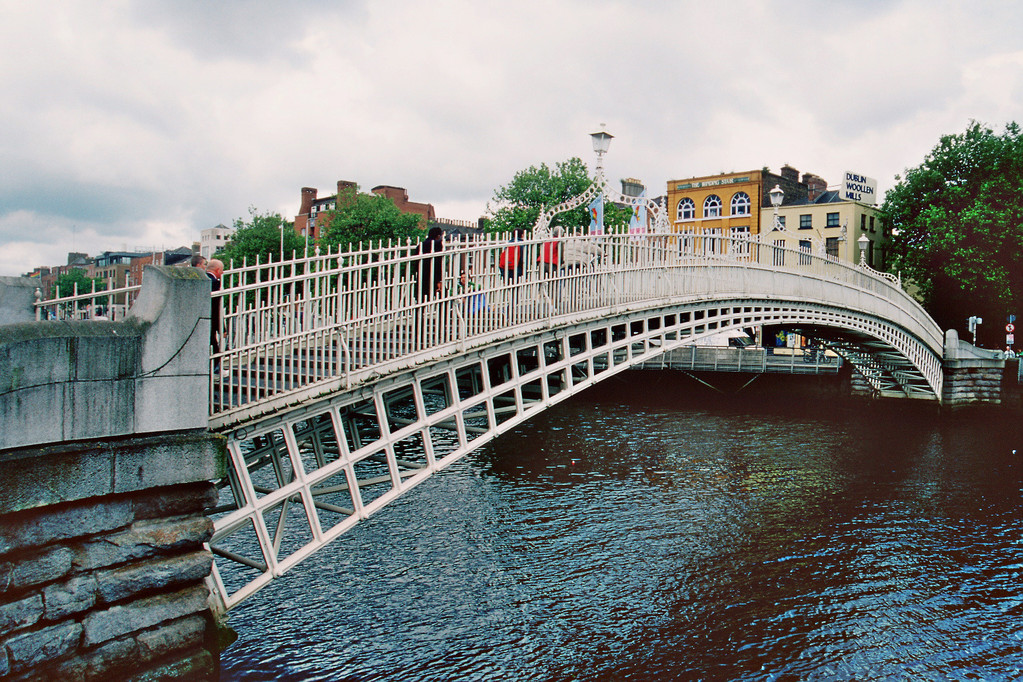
[{"x": 428, "y": 272}]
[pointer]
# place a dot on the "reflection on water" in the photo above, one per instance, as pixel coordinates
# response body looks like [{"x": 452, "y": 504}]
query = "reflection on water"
[{"x": 627, "y": 537}]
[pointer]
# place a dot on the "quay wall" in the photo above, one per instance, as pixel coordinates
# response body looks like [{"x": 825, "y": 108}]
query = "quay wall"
[
  {"x": 974, "y": 376},
  {"x": 107, "y": 465}
]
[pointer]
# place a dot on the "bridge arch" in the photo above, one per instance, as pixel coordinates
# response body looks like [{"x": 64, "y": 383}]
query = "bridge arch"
[{"x": 304, "y": 475}]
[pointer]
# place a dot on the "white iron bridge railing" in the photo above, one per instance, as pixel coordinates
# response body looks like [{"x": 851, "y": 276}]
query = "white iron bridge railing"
[
  {"x": 294, "y": 330},
  {"x": 108, "y": 303}
]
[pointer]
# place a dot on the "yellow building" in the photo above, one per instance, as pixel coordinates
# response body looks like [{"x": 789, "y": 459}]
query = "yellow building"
[
  {"x": 836, "y": 223},
  {"x": 720, "y": 205},
  {"x": 810, "y": 216}
]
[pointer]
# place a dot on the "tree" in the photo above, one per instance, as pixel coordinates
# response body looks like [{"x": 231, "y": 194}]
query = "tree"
[
  {"x": 957, "y": 226},
  {"x": 260, "y": 238},
  {"x": 368, "y": 218},
  {"x": 66, "y": 282},
  {"x": 535, "y": 187}
]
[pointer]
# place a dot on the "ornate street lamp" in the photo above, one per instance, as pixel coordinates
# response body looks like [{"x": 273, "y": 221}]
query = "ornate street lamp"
[
  {"x": 862, "y": 243},
  {"x": 776, "y": 195},
  {"x": 601, "y": 143}
]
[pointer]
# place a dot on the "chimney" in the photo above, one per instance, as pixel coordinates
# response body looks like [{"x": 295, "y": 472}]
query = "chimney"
[
  {"x": 308, "y": 197},
  {"x": 346, "y": 191},
  {"x": 631, "y": 187},
  {"x": 815, "y": 186},
  {"x": 789, "y": 173}
]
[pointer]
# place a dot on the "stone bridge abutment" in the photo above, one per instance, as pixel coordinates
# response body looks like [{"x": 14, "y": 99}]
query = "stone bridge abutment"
[{"x": 106, "y": 465}]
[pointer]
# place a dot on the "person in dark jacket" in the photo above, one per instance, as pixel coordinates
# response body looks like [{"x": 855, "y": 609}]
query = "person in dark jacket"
[
  {"x": 214, "y": 270},
  {"x": 429, "y": 271}
]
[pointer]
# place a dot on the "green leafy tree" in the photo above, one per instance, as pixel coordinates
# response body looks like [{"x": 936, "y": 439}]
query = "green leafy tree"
[
  {"x": 957, "y": 225},
  {"x": 260, "y": 238},
  {"x": 541, "y": 187},
  {"x": 368, "y": 218},
  {"x": 66, "y": 282}
]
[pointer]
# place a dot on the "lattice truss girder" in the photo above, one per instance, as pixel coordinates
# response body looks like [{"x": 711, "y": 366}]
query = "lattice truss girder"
[
  {"x": 301, "y": 478},
  {"x": 892, "y": 362}
]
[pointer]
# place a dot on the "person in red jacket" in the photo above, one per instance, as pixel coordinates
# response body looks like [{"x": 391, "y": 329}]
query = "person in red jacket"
[
  {"x": 550, "y": 255},
  {"x": 510, "y": 262}
]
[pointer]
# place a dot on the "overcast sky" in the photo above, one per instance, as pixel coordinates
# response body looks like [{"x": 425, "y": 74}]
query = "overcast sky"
[{"x": 137, "y": 123}]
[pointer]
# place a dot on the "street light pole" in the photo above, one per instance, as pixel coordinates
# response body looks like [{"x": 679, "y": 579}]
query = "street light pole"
[
  {"x": 862, "y": 243},
  {"x": 601, "y": 143},
  {"x": 777, "y": 195}
]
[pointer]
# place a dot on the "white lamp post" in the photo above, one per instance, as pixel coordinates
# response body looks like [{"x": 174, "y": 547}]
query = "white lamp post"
[
  {"x": 862, "y": 243},
  {"x": 776, "y": 194},
  {"x": 601, "y": 143}
]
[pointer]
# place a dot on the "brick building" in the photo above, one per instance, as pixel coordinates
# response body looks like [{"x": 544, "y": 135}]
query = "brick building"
[{"x": 313, "y": 211}]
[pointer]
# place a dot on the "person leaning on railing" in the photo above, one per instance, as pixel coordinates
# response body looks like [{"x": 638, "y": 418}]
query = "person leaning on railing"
[{"x": 466, "y": 288}]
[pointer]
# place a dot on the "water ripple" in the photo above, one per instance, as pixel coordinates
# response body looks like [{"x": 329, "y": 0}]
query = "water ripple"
[{"x": 659, "y": 540}]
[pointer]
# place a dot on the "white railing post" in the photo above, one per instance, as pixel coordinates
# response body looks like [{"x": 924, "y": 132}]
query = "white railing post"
[{"x": 292, "y": 325}]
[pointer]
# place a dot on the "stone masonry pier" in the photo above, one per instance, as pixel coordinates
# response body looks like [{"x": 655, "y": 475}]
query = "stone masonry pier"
[{"x": 106, "y": 463}]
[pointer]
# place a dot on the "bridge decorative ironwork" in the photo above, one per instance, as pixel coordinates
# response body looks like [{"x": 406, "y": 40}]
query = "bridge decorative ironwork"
[
  {"x": 340, "y": 388},
  {"x": 316, "y": 325}
]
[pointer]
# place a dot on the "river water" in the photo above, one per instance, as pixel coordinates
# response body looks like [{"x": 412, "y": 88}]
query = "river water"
[{"x": 644, "y": 532}]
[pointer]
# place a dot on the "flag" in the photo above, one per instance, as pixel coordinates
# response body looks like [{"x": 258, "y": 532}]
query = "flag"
[
  {"x": 637, "y": 221},
  {"x": 596, "y": 212}
]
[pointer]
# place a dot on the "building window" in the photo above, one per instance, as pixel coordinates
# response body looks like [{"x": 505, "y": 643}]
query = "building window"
[
  {"x": 781, "y": 220},
  {"x": 805, "y": 249},
  {"x": 740, "y": 246},
  {"x": 832, "y": 220},
  {"x": 863, "y": 222},
  {"x": 712, "y": 241},
  {"x": 686, "y": 209},
  {"x": 871, "y": 223},
  {"x": 740, "y": 203},
  {"x": 712, "y": 206},
  {"x": 806, "y": 221},
  {"x": 831, "y": 245}
]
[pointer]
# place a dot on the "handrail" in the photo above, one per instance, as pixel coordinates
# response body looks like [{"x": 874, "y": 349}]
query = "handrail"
[
  {"x": 102, "y": 304},
  {"x": 341, "y": 317}
]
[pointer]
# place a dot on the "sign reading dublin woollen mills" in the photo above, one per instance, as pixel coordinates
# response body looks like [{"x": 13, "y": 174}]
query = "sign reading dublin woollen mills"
[{"x": 856, "y": 187}]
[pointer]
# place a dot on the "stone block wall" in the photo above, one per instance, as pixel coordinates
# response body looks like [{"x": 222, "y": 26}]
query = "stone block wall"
[
  {"x": 973, "y": 376},
  {"x": 106, "y": 466},
  {"x": 108, "y": 588},
  {"x": 972, "y": 386}
]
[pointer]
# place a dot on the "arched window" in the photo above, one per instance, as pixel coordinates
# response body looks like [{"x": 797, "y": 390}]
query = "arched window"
[
  {"x": 712, "y": 206},
  {"x": 740, "y": 203},
  {"x": 686, "y": 210}
]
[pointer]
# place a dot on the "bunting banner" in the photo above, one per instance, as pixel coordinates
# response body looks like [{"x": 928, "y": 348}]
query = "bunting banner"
[
  {"x": 637, "y": 221},
  {"x": 596, "y": 212}
]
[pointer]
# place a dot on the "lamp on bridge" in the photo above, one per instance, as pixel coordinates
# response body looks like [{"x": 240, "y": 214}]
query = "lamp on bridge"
[
  {"x": 776, "y": 194},
  {"x": 601, "y": 143},
  {"x": 862, "y": 243}
]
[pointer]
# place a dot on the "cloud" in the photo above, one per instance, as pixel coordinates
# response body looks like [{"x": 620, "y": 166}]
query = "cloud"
[{"x": 139, "y": 123}]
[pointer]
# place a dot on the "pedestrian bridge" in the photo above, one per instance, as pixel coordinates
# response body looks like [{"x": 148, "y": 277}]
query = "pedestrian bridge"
[{"x": 339, "y": 389}]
